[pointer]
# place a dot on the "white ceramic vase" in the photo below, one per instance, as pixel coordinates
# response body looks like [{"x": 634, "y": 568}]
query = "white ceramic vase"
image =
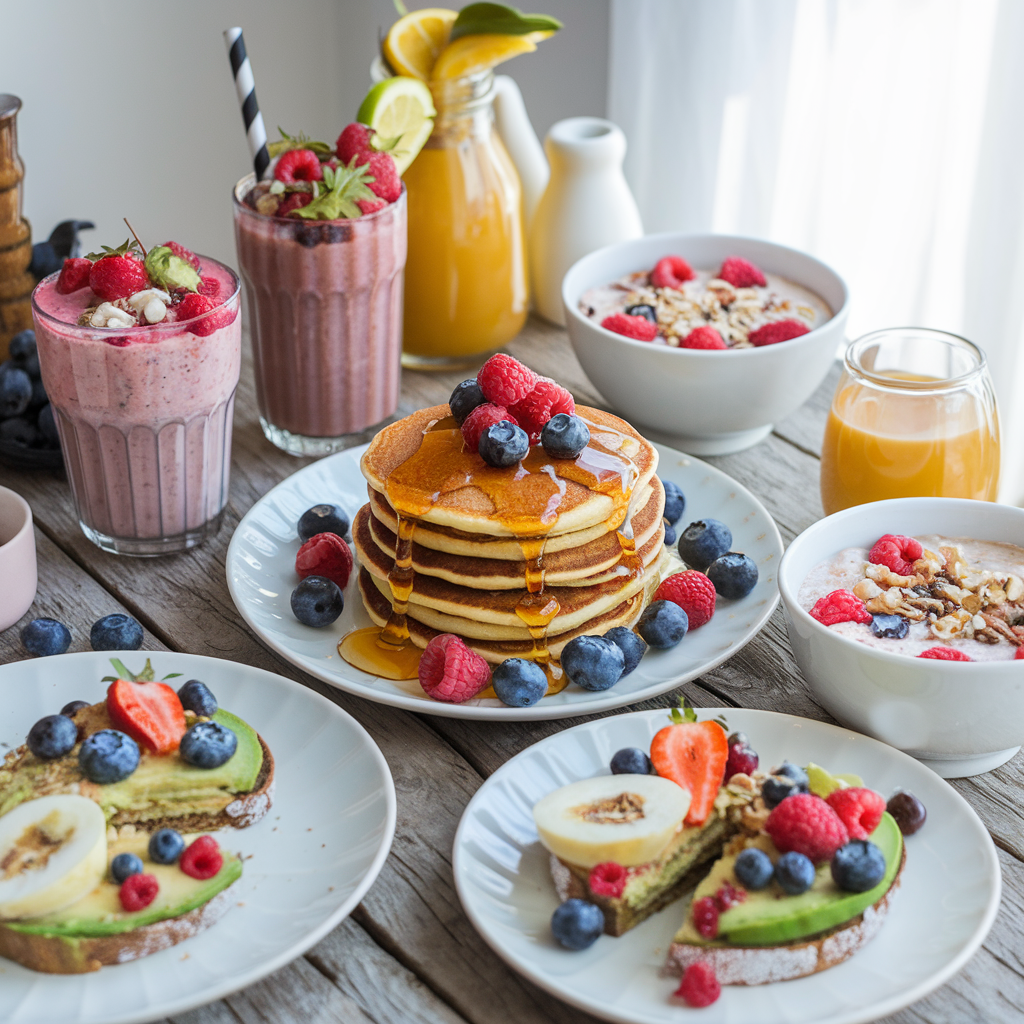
[{"x": 587, "y": 205}]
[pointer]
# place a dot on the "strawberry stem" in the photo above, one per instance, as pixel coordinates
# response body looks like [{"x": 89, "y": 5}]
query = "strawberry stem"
[
  {"x": 136, "y": 237},
  {"x": 121, "y": 670}
]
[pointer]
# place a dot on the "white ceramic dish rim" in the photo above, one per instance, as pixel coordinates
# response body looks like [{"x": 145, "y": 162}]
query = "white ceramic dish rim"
[{"x": 875, "y": 1012}]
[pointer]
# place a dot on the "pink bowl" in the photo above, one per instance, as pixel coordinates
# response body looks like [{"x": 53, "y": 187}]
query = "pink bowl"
[{"x": 17, "y": 558}]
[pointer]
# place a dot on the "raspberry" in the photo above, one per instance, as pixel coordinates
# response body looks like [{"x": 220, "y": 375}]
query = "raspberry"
[
  {"x": 671, "y": 272},
  {"x": 840, "y": 606},
  {"x": 741, "y": 759},
  {"x": 294, "y": 201},
  {"x": 699, "y": 986},
  {"x": 117, "y": 277},
  {"x": 728, "y": 896},
  {"x": 896, "y": 552},
  {"x": 608, "y": 879},
  {"x": 194, "y": 305},
  {"x": 859, "y": 809},
  {"x": 705, "y": 917},
  {"x": 368, "y": 206},
  {"x": 776, "y": 331},
  {"x": 202, "y": 859},
  {"x": 386, "y": 182},
  {"x": 138, "y": 891},
  {"x": 741, "y": 273},
  {"x": 210, "y": 287},
  {"x": 482, "y": 417},
  {"x": 703, "y": 337},
  {"x": 805, "y": 823},
  {"x": 638, "y": 328},
  {"x": 693, "y": 592},
  {"x": 325, "y": 554},
  {"x": 547, "y": 399},
  {"x": 946, "y": 654},
  {"x": 186, "y": 254},
  {"x": 353, "y": 141},
  {"x": 505, "y": 381},
  {"x": 298, "y": 165},
  {"x": 73, "y": 275},
  {"x": 451, "y": 672}
]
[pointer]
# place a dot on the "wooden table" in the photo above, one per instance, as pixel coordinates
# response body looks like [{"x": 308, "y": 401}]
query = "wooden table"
[{"x": 408, "y": 953}]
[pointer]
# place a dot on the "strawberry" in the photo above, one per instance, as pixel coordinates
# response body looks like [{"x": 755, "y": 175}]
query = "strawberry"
[
  {"x": 74, "y": 275},
  {"x": 117, "y": 277},
  {"x": 693, "y": 755},
  {"x": 186, "y": 254},
  {"x": 368, "y": 206},
  {"x": 293, "y": 201},
  {"x": 151, "y": 713},
  {"x": 386, "y": 182},
  {"x": 354, "y": 141}
]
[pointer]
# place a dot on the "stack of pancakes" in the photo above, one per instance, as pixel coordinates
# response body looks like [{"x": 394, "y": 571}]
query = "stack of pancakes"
[{"x": 470, "y": 557}]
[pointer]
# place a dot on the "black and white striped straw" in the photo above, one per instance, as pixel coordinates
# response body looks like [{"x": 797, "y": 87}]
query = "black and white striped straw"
[{"x": 245, "y": 86}]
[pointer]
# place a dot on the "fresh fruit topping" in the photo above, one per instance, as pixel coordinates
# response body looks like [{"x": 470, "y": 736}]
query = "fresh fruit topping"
[
  {"x": 644, "y": 310},
  {"x": 208, "y": 745},
  {"x": 182, "y": 253},
  {"x": 342, "y": 189},
  {"x": 734, "y": 575},
  {"x": 74, "y": 275},
  {"x": 401, "y": 110},
  {"x": 858, "y": 866},
  {"x": 703, "y": 337},
  {"x": 298, "y": 165},
  {"x": 475, "y": 53},
  {"x": 794, "y": 872},
  {"x": 564, "y": 436},
  {"x": 840, "y": 606},
  {"x": 416, "y": 40},
  {"x": 754, "y": 868},
  {"x": 52, "y": 736},
  {"x": 137, "y": 892},
  {"x": 859, "y": 809},
  {"x": 108, "y": 756},
  {"x": 636, "y": 327},
  {"x": 124, "y": 865},
  {"x": 671, "y": 272},
  {"x": 705, "y": 917},
  {"x": 503, "y": 444},
  {"x": 15, "y": 391},
  {"x": 499, "y": 19},
  {"x": 117, "y": 275},
  {"x": 322, "y": 518},
  {"x": 742, "y": 760},
  {"x": 464, "y": 399},
  {"x": 890, "y": 627},
  {"x": 296, "y": 201},
  {"x": 945, "y": 654},
  {"x": 806, "y": 824},
  {"x": 196, "y": 696},
  {"x": 608, "y": 879},
  {"x": 519, "y": 683},
  {"x": 505, "y": 381},
  {"x": 386, "y": 184},
  {"x": 449, "y": 671},
  {"x": 777, "y": 788},
  {"x": 44, "y": 637},
  {"x": 326, "y": 554},
  {"x": 1018, "y": 654},
  {"x": 202, "y": 859},
  {"x": 317, "y": 601},
  {"x": 675, "y": 502},
  {"x": 149, "y": 712},
  {"x": 699, "y": 986},
  {"x": 165, "y": 846},
  {"x": 479, "y": 419},
  {"x": 171, "y": 272},
  {"x": 368, "y": 206},
  {"x": 662, "y": 624},
  {"x": 545, "y": 400},
  {"x": 728, "y": 896},
  {"x": 704, "y": 541},
  {"x": 73, "y": 707},
  {"x": 577, "y": 924},
  {"x": 693, "y": 755},
  {"x": 214, "y": 317},
  {"x": 792, "y": 771},
  {"x": 896, "y": 552},
  {"x": 593, "y": 662},
  {"x": 632, "y": 645},
  {"x": 908, "y": 812},
  {"x": 693, "y": 592},
  {"x": 821, "y": 783},
  {"x": 741, "y": 273},
  {"x": 354, "y": 141},
  {"x": 778, "y": 330},
  {"x": 631, "y": 761}
]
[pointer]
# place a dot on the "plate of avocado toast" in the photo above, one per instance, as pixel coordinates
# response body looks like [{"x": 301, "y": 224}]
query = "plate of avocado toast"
[{"x": 172, "y": 829}]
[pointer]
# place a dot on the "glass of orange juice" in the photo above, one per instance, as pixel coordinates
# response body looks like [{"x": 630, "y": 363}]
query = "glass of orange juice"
[
  {"x": 913, "y": 415},
  {"x": 465, "y": 274}
]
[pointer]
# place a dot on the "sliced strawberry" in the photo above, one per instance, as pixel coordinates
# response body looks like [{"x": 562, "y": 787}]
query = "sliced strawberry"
[
  {"x": 151, "y": 713},
  {"x": 693, "y": 755}
]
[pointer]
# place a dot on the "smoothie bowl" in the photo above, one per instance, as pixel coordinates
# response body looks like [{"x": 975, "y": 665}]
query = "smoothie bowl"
[
  {"x": 906, "y": 618},
  {"x": 772, "y": 319}
]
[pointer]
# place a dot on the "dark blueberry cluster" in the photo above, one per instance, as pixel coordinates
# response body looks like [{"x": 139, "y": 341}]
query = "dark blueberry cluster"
[{"x": 26, "y": 417}]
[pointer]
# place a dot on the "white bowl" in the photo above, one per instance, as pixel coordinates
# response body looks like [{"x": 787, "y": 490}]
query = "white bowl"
[
  {"x": 712, "y": 402},
  {"x": 960, "y": 719}
]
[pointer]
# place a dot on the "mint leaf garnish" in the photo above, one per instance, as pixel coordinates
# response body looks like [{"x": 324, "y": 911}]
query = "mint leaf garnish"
[
  {"x": 497, "y": 19},
  {"x": 300, "y": 141},
  {"x": 171, "y": 272},
  {"x": 129, "y": 245},
  {"x": 341, "y": 190}
]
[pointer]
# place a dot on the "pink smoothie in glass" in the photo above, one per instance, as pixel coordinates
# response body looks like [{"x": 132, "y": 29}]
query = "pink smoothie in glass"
[{"x": 144, "y": 415}]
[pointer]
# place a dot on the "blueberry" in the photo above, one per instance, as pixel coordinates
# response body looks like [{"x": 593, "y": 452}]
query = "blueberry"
[
  {"x": 19, "y": 431},
  {"x": 124, "y": 865},
  {"x": 675, "y": 501},
  {"x": 643, "y": 309},
  {"x": 890, "y": 627},
  {"x": 196, "y": 696},
  {"x": 858, "y": 866},
  {"x": 117, "y": 632},
  {"x": 704, "y": 541},
  {"x": 576, "y": 924},
  {"x": 15, "y": 391},
  {"x": 776, "y": 788},
  {"x": 670, "y": 534},
  {"x": 794, "y": 872},
  {"x": 631, "y": 644},
  {"x": 503, "y": 444},
  {"x": 52, "y": 736},
  {"x": 165, "y": 846},
  {"x": 47, "y": 427},
  {"x": 73, "y": 707},
  {"x": 22, "y": 350},
  {"x": 663, "y": 624},
  {"x": 519, "y": 683},
  {"x": 464, "y": 399},
  {"x": 39, "y": 397},
  {"x": 908, "y": 812},
  {"x": 754, "y": 868},
  {"x": 593, "y": 662},
  {"x": 317, "y": 601},
  {"x": 322, "y": 519},
  {"x": 208, "y": 745},
  {"x": 631, "y": 761},
  {"x": 44, "y": 637},
  {"x": 734, "y": 575},
  {"x": 108, "y": 756},
  {"x": 565, "y": 436},
  {"x": 792, "y": 771}
]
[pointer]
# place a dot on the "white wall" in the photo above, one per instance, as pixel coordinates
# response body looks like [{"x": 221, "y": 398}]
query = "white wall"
[{"x": 129, "y": 108}]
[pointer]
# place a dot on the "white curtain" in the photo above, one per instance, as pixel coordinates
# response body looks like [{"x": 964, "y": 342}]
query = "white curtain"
[{"x": 883, "y": 136}]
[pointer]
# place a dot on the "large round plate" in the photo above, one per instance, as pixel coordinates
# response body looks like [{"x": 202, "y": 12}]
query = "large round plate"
[
  {"x": 261, "y": 576},
  {"x": 309, "y": 861},
  {"x": 942, "y": 913}
]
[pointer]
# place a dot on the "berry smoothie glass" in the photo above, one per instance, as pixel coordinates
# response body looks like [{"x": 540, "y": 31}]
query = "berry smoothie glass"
[
  {"x": 325, "y": 307},
  {"x": 144, "y": 416}
]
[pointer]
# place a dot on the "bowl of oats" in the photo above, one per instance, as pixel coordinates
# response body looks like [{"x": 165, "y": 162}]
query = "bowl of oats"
[
  {"x": 706, "y": 339},
  {"x": 906, "y": 618}
]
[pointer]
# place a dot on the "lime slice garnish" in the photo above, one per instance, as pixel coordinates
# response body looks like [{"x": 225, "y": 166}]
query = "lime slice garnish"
[{"x": 400, "y": 109}]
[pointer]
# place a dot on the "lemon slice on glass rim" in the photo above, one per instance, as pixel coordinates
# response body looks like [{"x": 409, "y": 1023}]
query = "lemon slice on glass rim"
[
  {"x": 414, "y": 42},
  {"x": 400, "y": 108}
]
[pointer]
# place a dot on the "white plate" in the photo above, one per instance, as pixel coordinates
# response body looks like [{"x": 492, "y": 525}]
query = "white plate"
[
  {"x": 313, "y": 856},
  {"x": 942, "y": 913},
  {"x": 261, "y": 576}
]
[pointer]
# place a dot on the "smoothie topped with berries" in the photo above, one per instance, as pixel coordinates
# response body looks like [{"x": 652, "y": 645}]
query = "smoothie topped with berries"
[{"x": 732, "y": 306}]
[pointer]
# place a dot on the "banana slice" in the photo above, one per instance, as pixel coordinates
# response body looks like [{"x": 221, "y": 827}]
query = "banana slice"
[
  {"x": 53, "y": 851},
  {"x": 629, "y": 819}
]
